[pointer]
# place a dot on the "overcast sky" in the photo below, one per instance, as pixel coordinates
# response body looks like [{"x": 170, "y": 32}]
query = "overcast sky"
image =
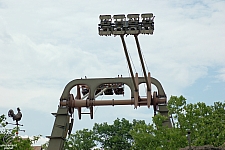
[{"x": 46, "y": 44}]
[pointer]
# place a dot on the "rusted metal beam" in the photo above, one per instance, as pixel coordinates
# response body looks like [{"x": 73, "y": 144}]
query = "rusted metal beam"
[
  {"x": 93, "y": 84},
  {"x": 88, "y": 103},
  {"x": 142, "y": 63},
  {"x": 128, "y": 61}
]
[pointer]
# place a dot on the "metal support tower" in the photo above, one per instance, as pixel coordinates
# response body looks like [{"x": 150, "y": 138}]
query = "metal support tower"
[{"x": 91, "y": 88}]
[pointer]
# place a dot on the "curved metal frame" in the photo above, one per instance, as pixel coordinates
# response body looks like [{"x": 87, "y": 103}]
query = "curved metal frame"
[
  {"x": 94, "y": 83},
  {"x": 63, "y": 125}
]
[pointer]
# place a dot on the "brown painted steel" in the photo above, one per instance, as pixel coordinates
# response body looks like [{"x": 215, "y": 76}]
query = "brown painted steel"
[
  {"x": 68, "y": 103},
  {"x": 149, "y": 96},
  {"x": 93, "y": 84},
  {"x": 136, "y": 93},
  {"x": 142, "y": 62},
  {"x": 89, "y": 103},
  {"x": 128, "y": 61}
]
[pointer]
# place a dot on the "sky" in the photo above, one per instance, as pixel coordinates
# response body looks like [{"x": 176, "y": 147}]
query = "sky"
[{"x": 46, "y": 44}]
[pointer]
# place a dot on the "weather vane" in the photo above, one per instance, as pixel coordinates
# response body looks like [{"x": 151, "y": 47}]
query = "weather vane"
[{"x": 16, "y": 117}]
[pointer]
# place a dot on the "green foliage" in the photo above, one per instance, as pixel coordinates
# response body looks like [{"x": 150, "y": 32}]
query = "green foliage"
[
  {"x": 115, "y": 136},
  {"x": 81, "y": 140},
  {"x": 22, "y": 143},
  {"x": 45, "y": 145},
  {"x": 7, "y": 137},
  {"x": 206, "y": 124},
  {"x": 2, "y": 120},
  {"x": 157, "y": 137}
]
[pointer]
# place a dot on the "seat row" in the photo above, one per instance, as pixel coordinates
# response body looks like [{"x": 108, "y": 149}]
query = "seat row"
[
  {"x": 117, "y": 89},
  {"x": 121, "y": 26}
]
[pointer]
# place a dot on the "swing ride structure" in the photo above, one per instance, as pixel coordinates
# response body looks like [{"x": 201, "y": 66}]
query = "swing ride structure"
[{"x": 88, "y": 89}]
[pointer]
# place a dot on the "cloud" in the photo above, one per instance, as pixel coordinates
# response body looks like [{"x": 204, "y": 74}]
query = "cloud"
[{"x": 44, "y": 45}]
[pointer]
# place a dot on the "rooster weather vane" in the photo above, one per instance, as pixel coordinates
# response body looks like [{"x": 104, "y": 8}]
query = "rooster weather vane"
[{"x": 16, "y": 117}]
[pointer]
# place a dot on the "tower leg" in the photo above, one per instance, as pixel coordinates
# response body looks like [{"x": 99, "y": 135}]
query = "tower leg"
[{"x": 60, "y": 129}]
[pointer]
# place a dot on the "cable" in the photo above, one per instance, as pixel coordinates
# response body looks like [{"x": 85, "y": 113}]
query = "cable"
[
  {"x": 145, "y": 60},
  {"x": 131, "y": 60},
  {"x": 128, "y": 70},
  {"x": 147, "y": 68},
  {"x": 144, "y": 84},
  {"x": 145, "y": 65},
  {"x": 97, "y": 107}
]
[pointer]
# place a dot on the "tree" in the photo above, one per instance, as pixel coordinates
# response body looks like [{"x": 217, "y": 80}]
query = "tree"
[
  {"x": 45, "y": 145},
  {"x": 205, "y": 123},
  {"x": 81, "y": 140},
  {"x": 115, "y": 136},
  {"x": 157, "y": 137},
  {"x": 7, "y": 137}
]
